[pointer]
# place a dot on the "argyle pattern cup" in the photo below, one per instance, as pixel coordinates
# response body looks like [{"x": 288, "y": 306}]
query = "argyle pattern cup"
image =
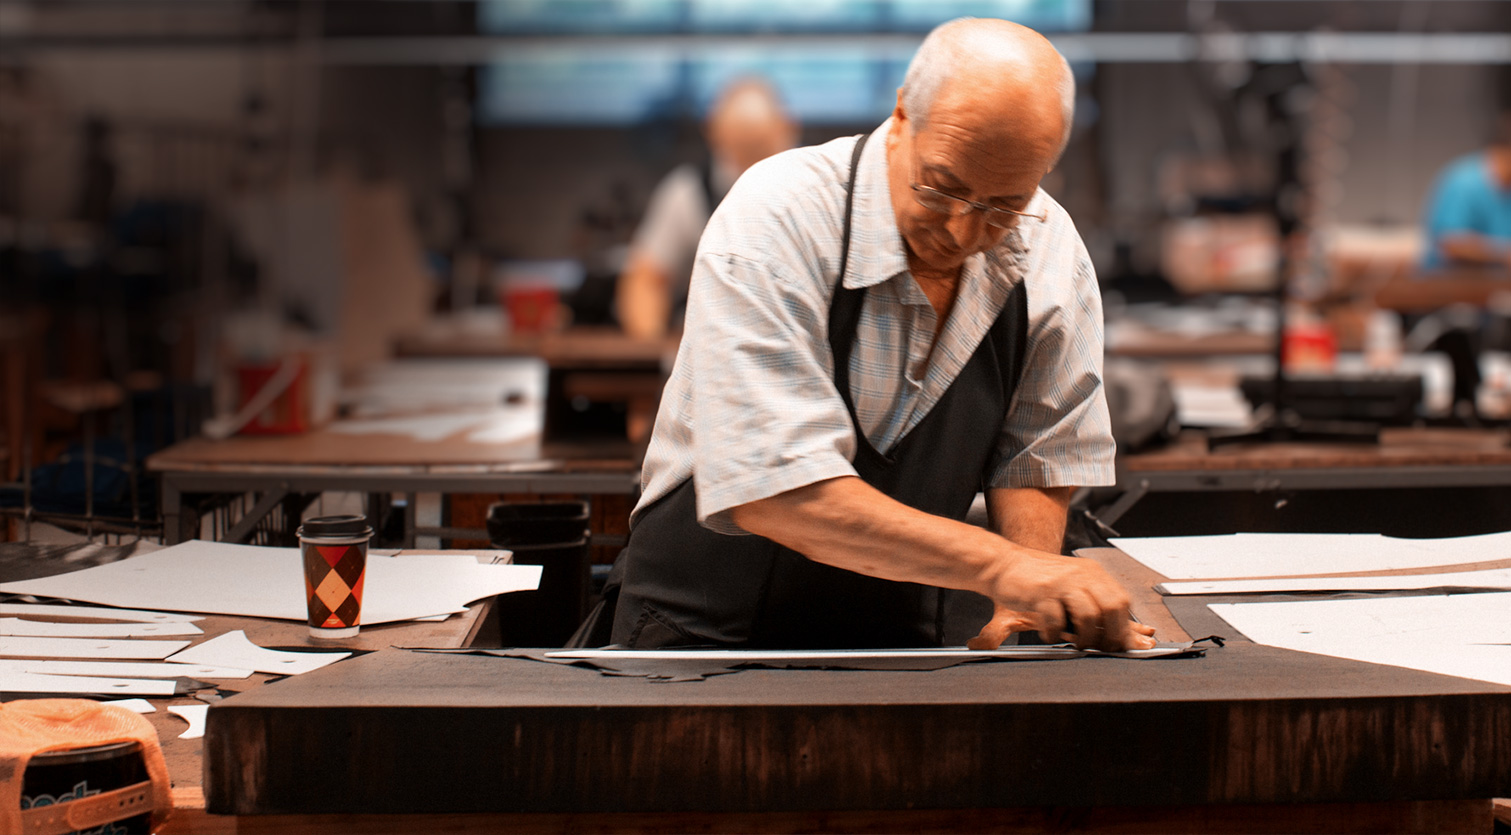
[{"x": 334, "y": 549}]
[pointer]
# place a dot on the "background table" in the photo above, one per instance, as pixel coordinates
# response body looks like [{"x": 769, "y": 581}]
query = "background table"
[
  {"x": 1406, "y": 459},
  {"x": 283, "y": 469},
  {"x": 277, "y": 468},
  {"x": 1421, "y": 294}
]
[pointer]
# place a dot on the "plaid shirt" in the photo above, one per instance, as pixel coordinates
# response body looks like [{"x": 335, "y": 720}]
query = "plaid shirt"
[{"x": 751, "y": 410}]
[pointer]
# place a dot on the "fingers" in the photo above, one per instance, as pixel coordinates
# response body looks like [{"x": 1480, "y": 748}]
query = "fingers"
[
  {"x": 991, "y": 636},
  {"x": 1143, "y": 637},
  {"x": 1004, "y": 622},
  {"x": 1052, "y": 622}
]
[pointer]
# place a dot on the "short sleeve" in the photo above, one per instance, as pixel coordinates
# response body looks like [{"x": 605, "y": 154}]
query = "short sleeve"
[{"x": 768, "y": 418}]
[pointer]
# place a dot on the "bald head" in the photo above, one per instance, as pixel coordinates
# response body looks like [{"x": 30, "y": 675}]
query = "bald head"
[
  {"x": 748, "y": 123},
  {"x": 1011, "y": 74}
]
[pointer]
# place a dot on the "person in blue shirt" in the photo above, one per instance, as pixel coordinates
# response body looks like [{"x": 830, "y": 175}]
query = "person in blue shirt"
[{"x": 1468, "y": 218}]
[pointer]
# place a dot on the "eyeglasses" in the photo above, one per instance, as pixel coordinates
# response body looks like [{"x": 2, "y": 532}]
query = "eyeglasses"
[{"x": 937, "y": 201}]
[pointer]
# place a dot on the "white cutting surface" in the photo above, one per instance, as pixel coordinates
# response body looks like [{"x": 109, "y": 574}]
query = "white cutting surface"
[{"x": 1281, "y": 554}]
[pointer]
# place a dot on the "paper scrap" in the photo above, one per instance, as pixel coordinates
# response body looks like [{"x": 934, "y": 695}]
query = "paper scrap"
[
  {"x": 194, "y": 715},
  {"x": 94, "y": 613},
  {"x": 122, "y": 669},
  {"x": 1465, "y": 635},
  {"x": 233, "y": 649},
  {"x": 253, "y": 581},
  {"x": 1281, "y": 554},
  {"x": 133, "y": 705},
  {"x": 18, "y": 682},
  {"x": 87, "y": 648},
  {"x": 1491, "y": 579},
  {"x": 53, "y": 629}
]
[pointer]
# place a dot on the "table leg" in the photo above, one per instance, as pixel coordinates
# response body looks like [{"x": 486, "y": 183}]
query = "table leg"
[
  {"x": 173, "y": 510},
  {"x": 264, "y": 506},
  {"x": 409, "y": 522},
  {"x": 1111, "y": 513}
]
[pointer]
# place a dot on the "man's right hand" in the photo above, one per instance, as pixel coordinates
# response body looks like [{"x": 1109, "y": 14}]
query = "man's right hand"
[{"x": 1066, "y": 600}]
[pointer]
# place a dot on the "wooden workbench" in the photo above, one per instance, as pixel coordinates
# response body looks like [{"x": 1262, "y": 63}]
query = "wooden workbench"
[{"x": 1248, "y": 738}]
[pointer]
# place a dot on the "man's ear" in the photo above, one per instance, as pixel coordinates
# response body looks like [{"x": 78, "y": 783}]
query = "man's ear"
[{"x": 897, "y": 112}]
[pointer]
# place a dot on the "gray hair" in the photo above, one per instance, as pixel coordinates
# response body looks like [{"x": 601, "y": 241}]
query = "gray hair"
[{"x": 940, "y": 56}]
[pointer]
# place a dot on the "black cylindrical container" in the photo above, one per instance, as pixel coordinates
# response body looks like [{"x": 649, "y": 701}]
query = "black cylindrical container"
[
  {"x": 554, "y": 536},
  {"x": 56, "y": 777}
]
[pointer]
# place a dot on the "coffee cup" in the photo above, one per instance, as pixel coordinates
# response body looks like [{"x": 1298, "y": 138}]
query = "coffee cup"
[{"x": 335, "y": 569}]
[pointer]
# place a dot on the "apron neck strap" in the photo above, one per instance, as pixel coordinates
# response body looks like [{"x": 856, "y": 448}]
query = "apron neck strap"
[{"x": 844, "y": 307}]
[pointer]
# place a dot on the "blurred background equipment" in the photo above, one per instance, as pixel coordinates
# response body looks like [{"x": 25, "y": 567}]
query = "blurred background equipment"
[{"x": 371, "y": 180}]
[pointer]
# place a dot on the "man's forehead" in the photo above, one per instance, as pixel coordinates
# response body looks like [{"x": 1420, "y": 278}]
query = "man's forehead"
[{"x": 989, "y": 169}]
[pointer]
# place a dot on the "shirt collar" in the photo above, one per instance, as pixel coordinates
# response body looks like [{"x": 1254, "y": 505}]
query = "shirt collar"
[{"x": 876, "y": 248}]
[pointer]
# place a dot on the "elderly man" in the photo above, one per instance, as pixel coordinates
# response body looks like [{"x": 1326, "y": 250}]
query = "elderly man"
[{"x": 877, "y": 330}]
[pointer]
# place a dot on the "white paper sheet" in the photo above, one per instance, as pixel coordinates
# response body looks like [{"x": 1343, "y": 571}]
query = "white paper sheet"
[
  {"x": 407, "y": 385},
  {"x": 1490, "y": 579},
  {"x": 18, "y": 647},
  {"x": 1211, "y": 406},
  {"x": 1280, "y": 554},
  {"x": 17, "y": 682},
  {"x": 233, "y": 649},
  {"x": 194, "y": 715},
  {"x": 94, "y": 613},
  {"x": 53, "y": 629},
  {"x": 119, "y": 669},
  {"x": 222, "y": 578},
  {"x": 1467, "y": 635}
]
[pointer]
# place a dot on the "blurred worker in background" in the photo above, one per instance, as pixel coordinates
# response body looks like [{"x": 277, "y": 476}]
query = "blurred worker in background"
[
  {"x": 746, "y": 124},
  {"x": 1468, "y": 219}
]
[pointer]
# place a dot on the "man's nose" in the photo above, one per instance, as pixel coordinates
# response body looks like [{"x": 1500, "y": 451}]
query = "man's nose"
[{"x": 966, "y": 229}]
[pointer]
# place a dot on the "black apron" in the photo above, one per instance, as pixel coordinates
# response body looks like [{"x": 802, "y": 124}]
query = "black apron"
[{"x": 685, "y": 585}]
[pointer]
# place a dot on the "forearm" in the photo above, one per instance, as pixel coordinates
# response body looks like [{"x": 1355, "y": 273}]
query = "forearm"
[
  {"x": 846, "y": 523},
  {"x": 643, "y": 298},
  {"x": 1473, "y": 249},
  {"x": 1033, "y": 517}
]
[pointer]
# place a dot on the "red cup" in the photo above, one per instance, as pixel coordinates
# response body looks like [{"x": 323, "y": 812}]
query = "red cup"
[{"x": 531, "y": 307}]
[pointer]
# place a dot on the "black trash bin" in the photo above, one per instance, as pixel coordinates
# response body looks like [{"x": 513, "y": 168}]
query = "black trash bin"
[{"x": 554, "y": 536}]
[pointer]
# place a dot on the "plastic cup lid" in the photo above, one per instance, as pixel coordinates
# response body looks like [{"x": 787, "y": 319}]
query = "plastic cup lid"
[{"x": 349, "y": 525}]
